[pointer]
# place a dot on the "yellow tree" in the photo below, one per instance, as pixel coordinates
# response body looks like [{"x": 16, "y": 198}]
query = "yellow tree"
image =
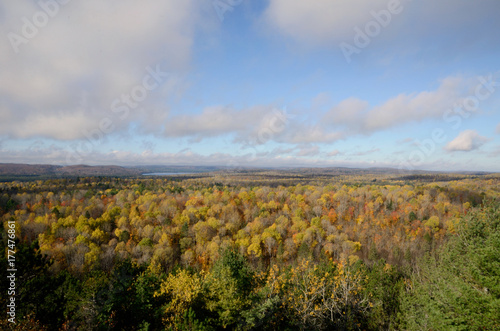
[{"x": 182, "y": 290}]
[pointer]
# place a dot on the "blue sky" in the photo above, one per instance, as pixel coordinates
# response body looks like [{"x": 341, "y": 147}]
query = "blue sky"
[{"x": 276, "y": 83}]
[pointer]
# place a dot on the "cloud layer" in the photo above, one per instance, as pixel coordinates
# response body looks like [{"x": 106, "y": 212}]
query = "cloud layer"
[
  {"x": 326, "y": 22},
  {"x": 93, "y": 47},
  {"x": 357, "y": 116},
  {"x": 350, "y": 117},
  {"x": 88, "y": 81},
  {"x": 466, "y": 141}
]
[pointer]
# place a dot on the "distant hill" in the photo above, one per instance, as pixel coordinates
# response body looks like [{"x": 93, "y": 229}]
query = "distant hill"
[
  {"x": 15, "y": 169},
  {"x": 85, "y": 170},
  {"x": 176, "y": 169}
]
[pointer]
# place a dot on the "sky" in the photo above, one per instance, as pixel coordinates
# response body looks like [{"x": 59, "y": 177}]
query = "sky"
[{"x": 248, "y": 83}]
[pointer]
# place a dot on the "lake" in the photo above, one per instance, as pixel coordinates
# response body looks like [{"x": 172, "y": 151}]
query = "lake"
[{"x": 170, "y": 173}]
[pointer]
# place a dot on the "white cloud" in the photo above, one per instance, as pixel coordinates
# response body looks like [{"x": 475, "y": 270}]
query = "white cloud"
[
  {"x": 281, "y": 151},
  {"x": 259, "y": 124},
  {"x": 348, "y": 112},
  {"x": 335, "y": 152},
  {"x": 102, "y": 48},
  {"x": 498, "y": 128},
  {"x": 466, "y": 141},
  {"x": 60, "y": 126},
  {"x": 327, "y": 21},
  {"x": 319, "y": 21},
  {"x": 213, "y": 121},
  {"x": 363, "y": 153},
  {"x": 405, "y": 108},
  {"x": 304, "y": 133},
  {"x": 253, "y": 125},
  {"x": 308, "y": 151},
  {"x": 358, "y": 117}
]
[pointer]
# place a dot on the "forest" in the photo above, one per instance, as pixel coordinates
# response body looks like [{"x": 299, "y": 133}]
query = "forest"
[{"x": 254, "y": 250}]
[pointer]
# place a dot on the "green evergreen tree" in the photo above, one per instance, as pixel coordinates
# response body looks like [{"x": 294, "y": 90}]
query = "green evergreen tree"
[{"x": 458, "y": 288}]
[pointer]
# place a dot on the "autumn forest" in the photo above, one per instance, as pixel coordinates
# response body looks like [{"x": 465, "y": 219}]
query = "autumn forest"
[{"x": 255, "y": 250}]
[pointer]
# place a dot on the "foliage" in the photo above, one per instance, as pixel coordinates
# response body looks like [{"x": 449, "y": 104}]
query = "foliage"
[
  {"x": 322, "y": 297},
  {"x": 459, "y": 286},
  {"x": 182, "y": 290},
  {"x": 255, "y": 251}
]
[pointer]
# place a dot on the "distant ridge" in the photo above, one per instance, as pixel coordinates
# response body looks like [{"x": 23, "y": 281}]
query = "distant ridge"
[
  {"x": 10, "y": 171},
  {"x": 16, "y": 169}
]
